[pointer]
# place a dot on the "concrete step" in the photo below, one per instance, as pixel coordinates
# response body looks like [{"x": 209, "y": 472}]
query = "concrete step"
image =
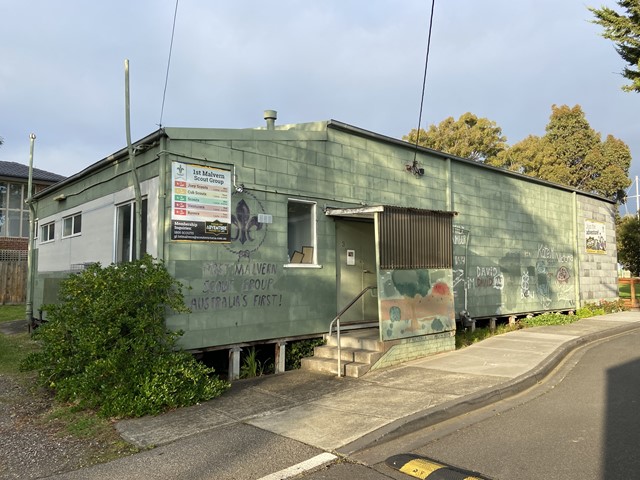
[
  {"x": 347, "y": 354},
  {"x": 329, "y": 351},
  {"x": 368, "y": 339},
  {"x": 330, "y": 365},
  {"x": 360, "y": 349},
  {"x": 356, "y": 369},
  {"x": 319, "y": 364}
]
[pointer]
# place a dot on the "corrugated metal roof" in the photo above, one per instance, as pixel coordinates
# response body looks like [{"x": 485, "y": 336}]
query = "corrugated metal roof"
[{"x": 18, "y": 170}]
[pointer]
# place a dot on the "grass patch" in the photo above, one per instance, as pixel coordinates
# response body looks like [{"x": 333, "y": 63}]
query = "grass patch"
[
  {"x": 9, "y": 313},
  {"x": 465, "y": 338},
  {"x": 13, "y": 349}
]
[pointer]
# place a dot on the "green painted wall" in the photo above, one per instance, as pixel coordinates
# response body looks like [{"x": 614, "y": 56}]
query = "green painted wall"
[{"x": 515, "y": 247}]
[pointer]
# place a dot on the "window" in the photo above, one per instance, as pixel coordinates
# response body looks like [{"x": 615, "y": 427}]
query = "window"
[
  {"x": 47, "y": 232},
  {"x": 125, "y": 231},
  {"x": 14, "y": 213},
  {"x": 301, "y": 232},
  {"x": 72, "y": 225}
]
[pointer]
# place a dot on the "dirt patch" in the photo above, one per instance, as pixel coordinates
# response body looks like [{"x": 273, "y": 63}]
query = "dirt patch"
[{"x": 33, "y": 445}]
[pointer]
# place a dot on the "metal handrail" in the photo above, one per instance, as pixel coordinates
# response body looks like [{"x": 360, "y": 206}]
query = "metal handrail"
[{"x": 336, "y": 320}]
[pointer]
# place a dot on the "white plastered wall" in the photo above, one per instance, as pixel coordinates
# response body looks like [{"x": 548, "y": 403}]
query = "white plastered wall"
[{"x": 96, "y": 241}]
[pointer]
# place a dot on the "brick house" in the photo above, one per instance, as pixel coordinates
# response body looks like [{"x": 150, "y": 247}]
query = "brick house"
[{"x": 14, "y": 223}]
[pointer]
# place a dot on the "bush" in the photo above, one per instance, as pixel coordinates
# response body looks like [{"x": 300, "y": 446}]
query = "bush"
[
  {"x": 105, "y": 345},
  {"x": 298, "y": 350},
  {"x": 613, "y": 306},
  {"x": 550, "y": 318}
]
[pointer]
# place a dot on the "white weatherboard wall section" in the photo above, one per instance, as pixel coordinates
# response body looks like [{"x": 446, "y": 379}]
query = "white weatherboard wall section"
[{"x": 96, "y": 240}]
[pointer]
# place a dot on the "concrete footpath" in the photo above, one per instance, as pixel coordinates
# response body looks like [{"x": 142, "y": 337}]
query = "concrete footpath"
[{"x": 343, "y": 415}]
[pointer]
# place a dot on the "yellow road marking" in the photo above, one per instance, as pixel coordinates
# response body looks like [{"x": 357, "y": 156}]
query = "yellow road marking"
[{"x": 420, "y": 468}]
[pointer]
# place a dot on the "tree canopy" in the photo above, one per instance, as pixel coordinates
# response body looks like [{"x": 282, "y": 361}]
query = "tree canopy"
[
  {"x": 628, "y": 243},
  {"x": 624, "y": 30},
  {"x": 571, "y": 153},
  {"x": 468, "y": 137}
]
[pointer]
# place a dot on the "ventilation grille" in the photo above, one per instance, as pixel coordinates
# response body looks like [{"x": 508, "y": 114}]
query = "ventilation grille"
[{"x": 412, "y": 238}]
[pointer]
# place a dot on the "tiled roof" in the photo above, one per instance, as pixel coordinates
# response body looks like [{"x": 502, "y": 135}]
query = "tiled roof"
[{"x": 18, "y": 170}]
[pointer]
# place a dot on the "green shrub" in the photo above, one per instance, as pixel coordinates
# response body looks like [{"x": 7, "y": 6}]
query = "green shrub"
[
  {"x": 550, "y": 318},
  {"x": 612, "y": 306},
  {"x": 296, "y": 351},
  {"x": 105, "y": 344}
]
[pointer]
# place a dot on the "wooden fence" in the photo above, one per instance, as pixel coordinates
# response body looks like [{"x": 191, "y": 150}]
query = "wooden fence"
[
  {"x": 13, "y": 282},
  {"x": 634, "y": 290}
]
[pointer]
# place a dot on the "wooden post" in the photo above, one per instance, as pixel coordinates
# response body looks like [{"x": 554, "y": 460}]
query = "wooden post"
[
  {"x": 280, "y": 357},
  {"x": 234, "y": 363},
  {"x": 634, "y": 302}
]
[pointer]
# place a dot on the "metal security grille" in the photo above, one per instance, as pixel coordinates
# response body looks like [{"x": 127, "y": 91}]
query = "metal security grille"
[
  {"x": 13, "y": 255},
  {"x": 412, "y": 238}
]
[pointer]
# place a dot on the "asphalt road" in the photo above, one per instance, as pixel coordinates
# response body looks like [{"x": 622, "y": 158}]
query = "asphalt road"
[
  {"x": 240, "y": 452},
  {"x": 582, "y": 423}
]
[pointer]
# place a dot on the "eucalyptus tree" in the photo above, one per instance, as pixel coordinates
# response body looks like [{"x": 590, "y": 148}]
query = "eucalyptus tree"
[
  {"x": 572, "y": 153},
  {"x": 479, "y": 139}
]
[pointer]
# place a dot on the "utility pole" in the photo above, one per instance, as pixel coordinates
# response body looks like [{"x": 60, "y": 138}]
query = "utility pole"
[
  {"x": 29, "y": 202},
  {"x": 137, "y": 232}
]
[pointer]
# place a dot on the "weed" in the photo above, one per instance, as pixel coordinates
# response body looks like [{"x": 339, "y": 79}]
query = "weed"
[{"x": 251, "y": 366}]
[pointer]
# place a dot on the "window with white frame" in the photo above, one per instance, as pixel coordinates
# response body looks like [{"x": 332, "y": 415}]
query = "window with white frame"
[
  {"x": 47, "y": 232},
  {"x": 72, "y": 225},
  {"x": 126, "y": 231},
  {"x": 301, "y": 232}
]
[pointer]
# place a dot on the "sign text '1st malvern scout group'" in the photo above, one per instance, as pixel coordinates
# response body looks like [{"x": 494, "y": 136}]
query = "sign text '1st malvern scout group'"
[{"x": 200, "y": 203}]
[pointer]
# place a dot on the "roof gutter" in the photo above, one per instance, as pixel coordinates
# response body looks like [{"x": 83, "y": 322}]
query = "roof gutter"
[{"x": 120, "y": 155}]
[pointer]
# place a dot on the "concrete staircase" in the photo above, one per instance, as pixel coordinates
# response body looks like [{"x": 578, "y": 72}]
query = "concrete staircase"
[{"x": 360, "y": 349}]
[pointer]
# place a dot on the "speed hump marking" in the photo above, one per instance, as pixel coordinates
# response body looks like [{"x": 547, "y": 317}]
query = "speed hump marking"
[{"x": 424, "y": 468}]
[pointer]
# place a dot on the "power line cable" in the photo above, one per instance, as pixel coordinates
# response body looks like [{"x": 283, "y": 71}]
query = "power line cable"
[
  {"x": 166, "y": 78},
  {"x": 424, "y": 82}
]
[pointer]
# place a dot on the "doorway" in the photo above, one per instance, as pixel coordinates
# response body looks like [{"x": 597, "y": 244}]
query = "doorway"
[{"x": 356, "y": 269}]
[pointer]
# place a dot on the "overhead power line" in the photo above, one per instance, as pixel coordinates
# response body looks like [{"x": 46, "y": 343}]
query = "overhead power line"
[
  {"x": 166, "y": 78},
  {"x": 424, "y": 80}
]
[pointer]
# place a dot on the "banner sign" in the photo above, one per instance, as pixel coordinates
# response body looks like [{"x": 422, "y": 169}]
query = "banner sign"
[
  {"x": 200, "y": 203},
  {"x": 595, "y": 237}
]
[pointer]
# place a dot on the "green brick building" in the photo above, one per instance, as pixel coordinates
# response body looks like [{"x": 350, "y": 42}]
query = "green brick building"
[{"x": 275, "y": 229}]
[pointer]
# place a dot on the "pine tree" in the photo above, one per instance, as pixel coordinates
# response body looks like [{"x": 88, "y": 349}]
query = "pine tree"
[{"x": 624, "y": 30}]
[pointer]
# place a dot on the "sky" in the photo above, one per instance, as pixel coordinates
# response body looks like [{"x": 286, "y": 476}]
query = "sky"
[{"x": 362, "y": 63}]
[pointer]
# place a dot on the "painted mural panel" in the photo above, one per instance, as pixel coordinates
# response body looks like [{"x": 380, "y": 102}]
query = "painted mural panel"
[{"x": 415, "y": 302}]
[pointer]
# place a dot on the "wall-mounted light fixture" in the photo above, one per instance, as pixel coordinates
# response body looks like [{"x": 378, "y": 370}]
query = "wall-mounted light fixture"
[
  {"x": 415, "y": 169},
  {"x": 238, "y": 187},
  {"x": 60, "y": 197}
]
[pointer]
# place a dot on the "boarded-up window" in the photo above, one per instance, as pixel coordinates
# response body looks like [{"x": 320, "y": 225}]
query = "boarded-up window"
[{"x": 412, "y": 238}]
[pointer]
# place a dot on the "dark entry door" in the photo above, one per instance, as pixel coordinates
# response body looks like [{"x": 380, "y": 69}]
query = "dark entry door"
[{"x": 356, "y": 269}]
